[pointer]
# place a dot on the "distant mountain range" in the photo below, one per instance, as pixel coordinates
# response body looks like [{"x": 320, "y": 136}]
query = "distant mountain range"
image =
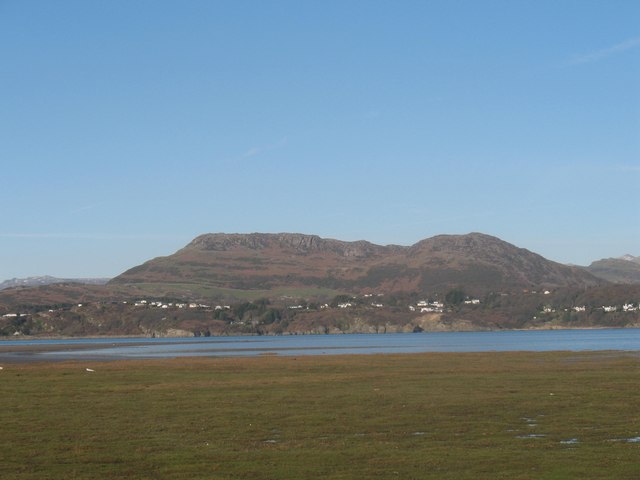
[
  {"x": 48, "y": 280},
  {"x": 259, "y": 261},
  {"x": 625, "y": 269}
]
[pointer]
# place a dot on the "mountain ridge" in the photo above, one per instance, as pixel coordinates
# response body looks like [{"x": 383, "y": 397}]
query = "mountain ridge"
[
  {"x": 479, "y": 261},
  {"x": 299, "y": 242}
]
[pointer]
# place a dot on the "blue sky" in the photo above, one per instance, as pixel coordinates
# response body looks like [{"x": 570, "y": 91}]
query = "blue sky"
[{"x": 129, "y": 127}]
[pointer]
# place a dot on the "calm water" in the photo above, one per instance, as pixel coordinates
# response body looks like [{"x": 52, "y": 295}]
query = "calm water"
[{"x": 293, "y": 345}]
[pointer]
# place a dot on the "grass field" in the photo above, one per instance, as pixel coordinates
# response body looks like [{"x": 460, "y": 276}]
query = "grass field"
[{"x": 441, "y": 416}]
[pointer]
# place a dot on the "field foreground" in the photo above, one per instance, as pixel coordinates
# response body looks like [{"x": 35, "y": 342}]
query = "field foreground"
[{"x": 553, "y": 415}]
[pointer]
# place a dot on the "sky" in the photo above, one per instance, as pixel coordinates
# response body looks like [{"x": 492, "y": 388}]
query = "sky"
[{"x": 129, "y": 127}]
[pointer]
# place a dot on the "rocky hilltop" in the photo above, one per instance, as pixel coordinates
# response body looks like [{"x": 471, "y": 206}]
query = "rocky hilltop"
[
  {"x": 292, "y": 242},
  {"x": 261, "y": 261}
]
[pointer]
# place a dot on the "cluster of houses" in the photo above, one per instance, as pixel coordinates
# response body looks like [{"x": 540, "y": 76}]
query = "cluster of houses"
[
  {"x": 349, "y": 304},
  {"x": 434, "y": 306},
  {"x": 627, "y": 307},
  {"x": 145, "y": 303},
  {"x": 424, "y": 306}
]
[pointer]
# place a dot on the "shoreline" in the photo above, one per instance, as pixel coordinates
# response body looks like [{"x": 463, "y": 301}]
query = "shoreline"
[{"x": 30, "y": 338}]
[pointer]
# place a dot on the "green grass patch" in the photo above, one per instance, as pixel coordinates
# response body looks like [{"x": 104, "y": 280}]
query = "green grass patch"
[{"x": 440, "y": 416}]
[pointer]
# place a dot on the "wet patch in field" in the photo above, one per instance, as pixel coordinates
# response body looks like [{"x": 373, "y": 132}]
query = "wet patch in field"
[{"x": 570, "y": 441}]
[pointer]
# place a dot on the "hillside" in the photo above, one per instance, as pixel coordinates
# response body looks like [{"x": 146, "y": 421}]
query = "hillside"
[
  {"x": 101, "y": 311},
  {"x": 49, "y": 280},
  {"x": 273, "y": 262},
  {"x": 617, "y": 270},
  {"x": 58, "y": 293}
]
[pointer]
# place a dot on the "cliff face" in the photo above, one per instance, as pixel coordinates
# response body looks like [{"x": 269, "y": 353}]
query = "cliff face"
[
  {"x": 293, "y": 242},
  {"x": 479, "y": 262}
]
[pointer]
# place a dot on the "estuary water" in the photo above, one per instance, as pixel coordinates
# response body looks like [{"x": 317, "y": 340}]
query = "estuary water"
[{"x": 295, "y": 345}]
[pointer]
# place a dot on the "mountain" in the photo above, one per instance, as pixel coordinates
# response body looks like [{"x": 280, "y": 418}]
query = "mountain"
[
  {"x": 48, "y": 280},
  {"x": 625, "y": 269},
  {"x": 287, "y": 262},
  {"x": 231, "y": 284}
]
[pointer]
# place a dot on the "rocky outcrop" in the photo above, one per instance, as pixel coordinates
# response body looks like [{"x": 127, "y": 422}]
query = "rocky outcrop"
[{"x": 294, "y": 242}]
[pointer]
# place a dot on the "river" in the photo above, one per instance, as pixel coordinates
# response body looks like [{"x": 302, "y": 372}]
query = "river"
[{"x": 295, "y": 345}]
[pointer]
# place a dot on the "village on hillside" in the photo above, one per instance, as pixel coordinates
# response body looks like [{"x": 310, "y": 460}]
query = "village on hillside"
[{"x": 45, "y": 319}]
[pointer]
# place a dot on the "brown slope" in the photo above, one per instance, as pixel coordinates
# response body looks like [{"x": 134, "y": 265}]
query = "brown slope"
[
  {"x": 485, "y": 263},
  {"x": 56, "y": 294},
  {"x": 478, "y": 262}
]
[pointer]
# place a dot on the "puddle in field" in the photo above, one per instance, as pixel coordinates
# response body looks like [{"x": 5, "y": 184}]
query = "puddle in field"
[
  {"x": 530, "y": 422},
  {"x": 627, "y": 440},
  {"x": 570, "y": 441},
  {"x": 418, "y": 433}
]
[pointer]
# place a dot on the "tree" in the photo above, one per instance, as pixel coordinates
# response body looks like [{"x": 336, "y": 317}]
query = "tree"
[
  {"x": 272, "y": 315},
  {"x": 455, "y": 297}
]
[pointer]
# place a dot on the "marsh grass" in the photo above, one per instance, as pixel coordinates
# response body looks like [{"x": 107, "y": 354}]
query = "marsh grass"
[{"x": 444, "y": 416}]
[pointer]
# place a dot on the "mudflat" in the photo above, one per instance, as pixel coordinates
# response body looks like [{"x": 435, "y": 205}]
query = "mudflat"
[
  {"x": 516, "y": 415},
  {"x": 11, "y": 352}
]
